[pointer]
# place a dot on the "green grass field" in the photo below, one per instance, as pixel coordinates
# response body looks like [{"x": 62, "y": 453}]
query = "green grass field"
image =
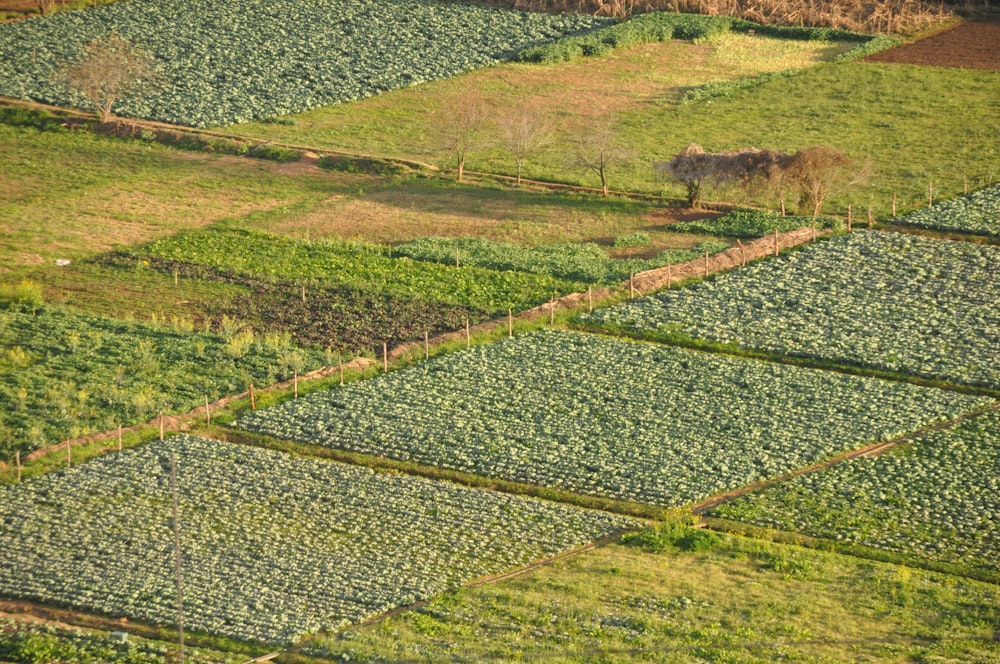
[
  {"x": 915, "y": 124},
  {"x": 735, "y": 601},
  {"x": 102, "y": 193}
]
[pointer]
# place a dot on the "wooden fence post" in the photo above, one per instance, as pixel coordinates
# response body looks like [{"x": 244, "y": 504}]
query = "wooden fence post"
[
  {"x": 706, "y": 263},
  {"x": 743, "y": 255},
  {"x": 510, "y": 322},
  {"x": 552, "y": 312},
  {"x": 775, "y": 241},
  {"x": 669, "y": 278},
  {"x": 69, "y": 455},
  {"x": 253, "y": 399},
  {"x": 930, "y": 193},
  {"x": 303, "y": 293},
  {"x": 120, "y": 434},
  {"x": 427, "y": 344},
  {"x": 871, "y": 219},
  {"x": 456, "y": 257},
  {"x": 850, "y": 216},
  {"x": 340, "y": 361},
  {"x": 385, "y": 357},
  {"x": 893, "y": 204},
  {"x": 468, "y": 334},
  {"x": 590, "y": 298},
  {"x": 631, "y": 286},
  {"x": 17, "y": 460},
  {"x": 208, "y": 413},
  {"x": 295, "y": 383}
]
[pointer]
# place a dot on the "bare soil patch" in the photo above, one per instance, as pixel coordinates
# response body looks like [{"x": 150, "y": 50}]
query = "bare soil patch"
[{"x": 973, "y": 45}]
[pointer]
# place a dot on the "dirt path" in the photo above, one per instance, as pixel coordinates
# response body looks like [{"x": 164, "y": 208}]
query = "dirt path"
[{"x": 972, "y": 45}]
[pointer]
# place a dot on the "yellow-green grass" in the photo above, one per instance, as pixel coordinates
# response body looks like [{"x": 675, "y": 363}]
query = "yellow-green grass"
[
  {"x": 71, "y": 195},
  {"x": 915, "y": 124},
  {"x": 739, "y": 601}
]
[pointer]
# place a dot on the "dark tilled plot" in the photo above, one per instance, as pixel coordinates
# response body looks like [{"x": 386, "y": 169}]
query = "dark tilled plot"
[{"x": 973, "y": 45}]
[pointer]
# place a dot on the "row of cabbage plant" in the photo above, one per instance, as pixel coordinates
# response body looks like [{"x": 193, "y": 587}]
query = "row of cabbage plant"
[
  {"x": 273, "y": 546},
  {"x": 938, "y": 498},
  {"x": 887, "y": 301},
  {"x": 620, "y": 419}
]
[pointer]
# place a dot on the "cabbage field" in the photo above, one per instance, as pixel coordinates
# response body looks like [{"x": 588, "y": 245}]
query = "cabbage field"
[
  {"x": 612, "y": 418},
  {"x": 978, "y": 213},
  {"x": 938, "y": 497},
  {"x": 219, "y": 253},
  {"x": 887, "y": 301},
  {"x": 63, "y": 375},
  {"x": 231, "y": 61},
  {"x": 274, "y": 546},
  {"x": 579, "y": 261}
]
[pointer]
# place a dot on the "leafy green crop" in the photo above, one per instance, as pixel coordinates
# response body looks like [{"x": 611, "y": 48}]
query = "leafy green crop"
[
  {"x": 274, "y": 546},
  {"x": 22, "y": 641},
  {"x": 64, "y": 375},
  {"x": 979, "y": 212},
  {"x": 362, "y": 266},
  {"x": 747, "y": 223},
  {"x": 231, "y": 61},
  {"x": 581, "y": 262},
  {"x": 938, "y": 497},
  {"x": 887, "y": 301},
  {"x": 621, "y": 419}
]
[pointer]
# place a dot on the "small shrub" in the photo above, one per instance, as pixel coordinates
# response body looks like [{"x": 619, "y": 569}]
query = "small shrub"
[
  {"x": 275, "y": 153},
  {"x": 673, "y": 535},
  {"x": 637, "y": 239},
  {"x": 25, "y": 295},
  {"x": 361, "y": 165}
]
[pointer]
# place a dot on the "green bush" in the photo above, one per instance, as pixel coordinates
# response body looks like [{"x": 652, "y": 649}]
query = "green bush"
[
  {"x": 673, "y": 535},
  {"x": 17, "y": 116},
  {"x": 637, "y": 239},
  {"x": 275, "y": 153},
  {"x": 364, "y": 165},
  {"x": 748, "y": 223},
  {"x": 26, "y": 294}
]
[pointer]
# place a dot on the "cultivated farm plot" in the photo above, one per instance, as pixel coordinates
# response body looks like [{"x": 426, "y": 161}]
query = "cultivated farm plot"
[
  {"x": 625, "y": 420},
  {"x": 274, "y": 547},
  {"x": 355, "y": 265},
  {"x": 583, "y": 261},
  {"x": 64, "y": 375},
  {"x": 241, "y": 60},
  {"x": 938, "y": 497},
  {"x": 978, "y": 213},
  {"x": 886, "y": 301}
]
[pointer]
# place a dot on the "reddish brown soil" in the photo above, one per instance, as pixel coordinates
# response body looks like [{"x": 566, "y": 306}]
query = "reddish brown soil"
[{"x": 973, "y": 45}]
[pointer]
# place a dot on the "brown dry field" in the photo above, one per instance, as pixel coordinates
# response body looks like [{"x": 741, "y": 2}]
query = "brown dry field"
[{"x": 972, "y": 45}]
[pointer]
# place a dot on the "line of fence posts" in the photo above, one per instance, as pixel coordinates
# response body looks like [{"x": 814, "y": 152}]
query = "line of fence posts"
[{"x": 510, "y": 322}]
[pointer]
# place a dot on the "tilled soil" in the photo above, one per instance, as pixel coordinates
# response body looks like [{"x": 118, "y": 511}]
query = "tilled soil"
[{"x": 972, "y": 45}]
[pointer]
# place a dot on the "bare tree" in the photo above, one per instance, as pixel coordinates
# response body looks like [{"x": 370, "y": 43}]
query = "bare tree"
[
  {"x": 749, "y": 168},
  {"x": 108, "y": 68},
  {"x": 45, "y": 7},
  {"x": 522, "y": 134},
  {"x": 599, "y": 149},
  {"x": 462, "y": 127},
  {"x": 821, "y": 171}
]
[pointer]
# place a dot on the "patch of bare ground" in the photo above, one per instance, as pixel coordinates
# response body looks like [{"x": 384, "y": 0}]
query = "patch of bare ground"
[
  {"x": 971, "y": 45},
  {"x": 400, "y": 214}
]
